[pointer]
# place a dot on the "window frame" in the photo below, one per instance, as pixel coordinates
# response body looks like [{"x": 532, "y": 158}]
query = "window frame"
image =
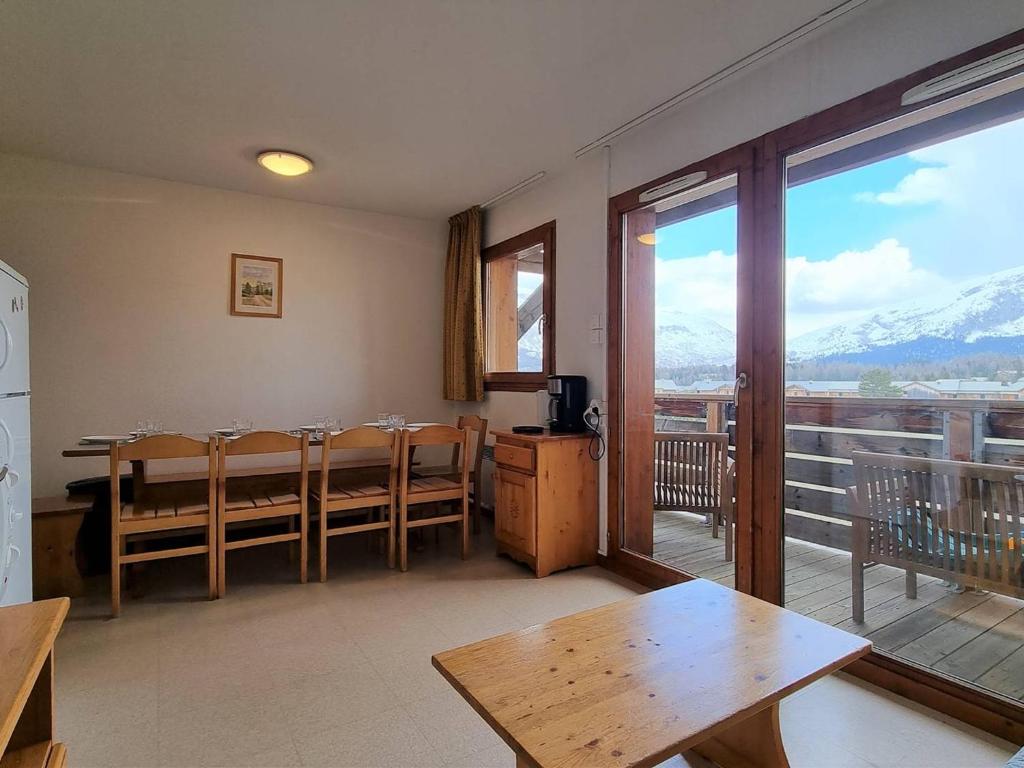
[{"x": 524, "y": 381}]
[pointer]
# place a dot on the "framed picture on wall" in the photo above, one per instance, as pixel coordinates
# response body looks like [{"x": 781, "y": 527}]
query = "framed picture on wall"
[{"x": 256, "y": 283}]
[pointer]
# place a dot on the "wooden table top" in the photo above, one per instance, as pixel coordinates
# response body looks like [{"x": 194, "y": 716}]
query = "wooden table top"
[
  {"x": 88, "y": 450},
  {"x": 635, "y": 682},
  {"x": 92, "y": 450},
  {"x": 542, "y": 437},
  {"x": 27, "y": 633}
]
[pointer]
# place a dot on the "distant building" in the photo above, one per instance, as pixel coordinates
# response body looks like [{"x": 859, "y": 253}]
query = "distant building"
[
  {"x": 823, "y": 389},
  {"x": 965, "y": 389},
  {"x": 962, "y": 389},
  {"x": 719, "y": 387}
]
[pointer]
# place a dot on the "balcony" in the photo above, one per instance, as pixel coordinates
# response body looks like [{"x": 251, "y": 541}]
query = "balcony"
[{"x": 970, "y": 624}]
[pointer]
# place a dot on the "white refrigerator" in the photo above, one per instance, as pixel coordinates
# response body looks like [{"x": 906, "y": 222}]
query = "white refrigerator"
[{"x": 15, "y": 446}]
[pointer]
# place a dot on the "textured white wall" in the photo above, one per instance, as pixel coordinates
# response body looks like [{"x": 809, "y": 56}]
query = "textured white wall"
[
  {"x": 885, "y": 40},
  {"x": 129, "y": 309}
]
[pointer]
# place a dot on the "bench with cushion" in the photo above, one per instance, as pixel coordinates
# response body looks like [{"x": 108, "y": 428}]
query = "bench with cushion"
[{"x": 954, "y": 520}]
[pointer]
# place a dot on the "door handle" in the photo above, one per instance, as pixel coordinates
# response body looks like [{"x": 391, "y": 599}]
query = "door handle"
[{"x": 742, "y": 382}]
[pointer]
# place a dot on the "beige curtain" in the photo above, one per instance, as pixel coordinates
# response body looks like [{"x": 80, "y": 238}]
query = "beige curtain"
[{"x": 463, "y": 313}]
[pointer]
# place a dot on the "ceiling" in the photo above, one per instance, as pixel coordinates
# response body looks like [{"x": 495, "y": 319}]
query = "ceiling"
[{"x": 412, "y": 107}]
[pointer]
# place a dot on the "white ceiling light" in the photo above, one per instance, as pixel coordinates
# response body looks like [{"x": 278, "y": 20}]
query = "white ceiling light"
[{"x": 284, "y": 163}]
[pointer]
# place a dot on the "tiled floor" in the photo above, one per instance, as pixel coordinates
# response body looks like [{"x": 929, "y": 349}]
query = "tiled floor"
[{"x": 339, "y": 674}]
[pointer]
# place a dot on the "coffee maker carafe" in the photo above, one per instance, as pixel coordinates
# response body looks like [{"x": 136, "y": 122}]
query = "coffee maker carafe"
[{"x": 568, "y": 403}]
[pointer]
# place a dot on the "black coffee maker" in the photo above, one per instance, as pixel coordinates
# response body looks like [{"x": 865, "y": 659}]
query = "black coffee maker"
[{"x": 568, "y": 403}]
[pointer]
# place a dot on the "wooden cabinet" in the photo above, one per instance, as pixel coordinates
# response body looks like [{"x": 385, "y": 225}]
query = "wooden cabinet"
[
  {"x": 545, "y": 500},
  {"x": 27, "y": 633},
  {"x": 514, "y": 495}
]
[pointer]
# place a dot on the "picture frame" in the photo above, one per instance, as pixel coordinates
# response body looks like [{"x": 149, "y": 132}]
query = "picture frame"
[{"x": 256, "y": 285}]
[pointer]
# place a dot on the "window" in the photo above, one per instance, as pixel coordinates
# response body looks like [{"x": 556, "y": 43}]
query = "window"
[
  {"x": 905, "y": 288},
  {"x": 519, "y": 311}
]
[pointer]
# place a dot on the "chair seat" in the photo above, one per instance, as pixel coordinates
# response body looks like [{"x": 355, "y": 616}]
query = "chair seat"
[
  {"x": 169, "y": 508},
  {"x": 338, "y": 491},
  {"x": 431, "y": 485},
  {"x": 446, "y": 470},
  {"x": 238, "y": 501}
]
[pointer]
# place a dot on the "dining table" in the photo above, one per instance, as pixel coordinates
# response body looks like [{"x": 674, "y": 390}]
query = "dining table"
[
  {"x": 99, "y": 448},
  {"x": 692, "y": 668}
]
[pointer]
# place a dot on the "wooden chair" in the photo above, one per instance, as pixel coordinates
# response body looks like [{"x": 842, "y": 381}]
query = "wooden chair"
[
  {"x": 158, "y": 510},
  {"x": 693, "y": 472},
  {"x": 958, "y": 521},
  {"x": 478, "y": 431},
  {"x": 432, "y": 490},
  {"x": 354, "y": 498},
  {"x": 267, "y": 501}
]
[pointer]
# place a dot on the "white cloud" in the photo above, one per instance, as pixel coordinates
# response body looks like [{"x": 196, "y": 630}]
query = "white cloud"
[
  {"x": 923, "y": 186},
  {"x": 818, "y": 293},
  {"x": 700, "y": 285},
  {"x": 977, "y": 181},
  {"x": 852, "y": 283}
]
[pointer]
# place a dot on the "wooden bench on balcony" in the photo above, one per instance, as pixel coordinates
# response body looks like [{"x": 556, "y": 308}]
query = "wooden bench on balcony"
[
  {"x": 693, "y": 473},
  {"x": 954, "y": 520}
]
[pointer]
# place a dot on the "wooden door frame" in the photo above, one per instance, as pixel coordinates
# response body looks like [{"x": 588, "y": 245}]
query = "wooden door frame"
[
  {"x": 760, "y": 352},
  {"x": 739, "y": 161}
]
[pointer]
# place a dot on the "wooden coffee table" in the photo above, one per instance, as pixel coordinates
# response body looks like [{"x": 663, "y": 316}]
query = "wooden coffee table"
[{"x": 695, "y": 667}]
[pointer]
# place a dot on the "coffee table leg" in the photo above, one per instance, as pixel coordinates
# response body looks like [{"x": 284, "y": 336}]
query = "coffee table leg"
[
  {"x": 754, "y": 743},
  {"x": 524, "y": 762}
]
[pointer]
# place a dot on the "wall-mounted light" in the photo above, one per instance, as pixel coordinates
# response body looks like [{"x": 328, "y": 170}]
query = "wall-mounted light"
[{"x": 284, "y": 163}]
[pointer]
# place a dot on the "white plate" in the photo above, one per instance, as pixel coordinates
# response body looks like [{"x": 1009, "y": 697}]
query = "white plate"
[
  {"x": 425, "y": 424},
  {"x": 226, "y": 431},
  {"x": 309, "y": 428},
  {"x": 104, "y": 439}
]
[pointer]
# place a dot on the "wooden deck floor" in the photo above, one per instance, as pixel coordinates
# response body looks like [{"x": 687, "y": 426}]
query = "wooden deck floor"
[{"x": 974, "y": 636}]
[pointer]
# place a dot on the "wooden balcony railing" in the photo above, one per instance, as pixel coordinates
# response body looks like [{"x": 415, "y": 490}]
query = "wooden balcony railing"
[{"x": 823, "y": 432}]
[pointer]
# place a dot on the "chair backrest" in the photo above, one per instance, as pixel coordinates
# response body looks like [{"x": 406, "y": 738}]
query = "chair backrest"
[
  {"x": 691, "y": 470},
  {"x": 253, "y": 443},
  {"x": 361, "y": 438},
  {"x": 264, "y": 442},
  {"x": 957, "y": 515},
  {"x": 156, "y": 447},
  {"x": 437, "y": 435},
  {"x": 478, "y": 437}
]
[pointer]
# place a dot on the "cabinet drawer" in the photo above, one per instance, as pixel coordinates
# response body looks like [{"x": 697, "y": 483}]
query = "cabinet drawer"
[
  {"x": 514, "y": 456},
  {"x": 515, "y": 519}
]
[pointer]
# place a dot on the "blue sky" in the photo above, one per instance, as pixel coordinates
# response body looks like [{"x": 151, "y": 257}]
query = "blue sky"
[{"x": 868, "y": 238}]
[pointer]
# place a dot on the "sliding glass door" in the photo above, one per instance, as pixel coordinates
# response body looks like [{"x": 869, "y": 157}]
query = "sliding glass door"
[
  {"x": 904, "y": 387},
  {"x": 679, "y": 253}
]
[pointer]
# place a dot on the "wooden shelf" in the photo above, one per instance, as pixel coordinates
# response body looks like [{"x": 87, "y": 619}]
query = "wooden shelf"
[
  {"x": 43, "y": 754},
  {"x": 33, "y": 756},
  {"x": 27, "y": 634}
]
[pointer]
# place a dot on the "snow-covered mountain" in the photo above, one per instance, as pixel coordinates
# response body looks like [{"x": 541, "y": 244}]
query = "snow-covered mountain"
[
  {"x": 531, "y": 350},
  {"x": 682, "y": 338},
  {"x": 984, "y": 315}
]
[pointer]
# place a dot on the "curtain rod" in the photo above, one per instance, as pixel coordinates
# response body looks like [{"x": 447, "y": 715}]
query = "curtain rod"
[
  {"x": 513, "y": 189},
  {"x": 790, "y": 37}
]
